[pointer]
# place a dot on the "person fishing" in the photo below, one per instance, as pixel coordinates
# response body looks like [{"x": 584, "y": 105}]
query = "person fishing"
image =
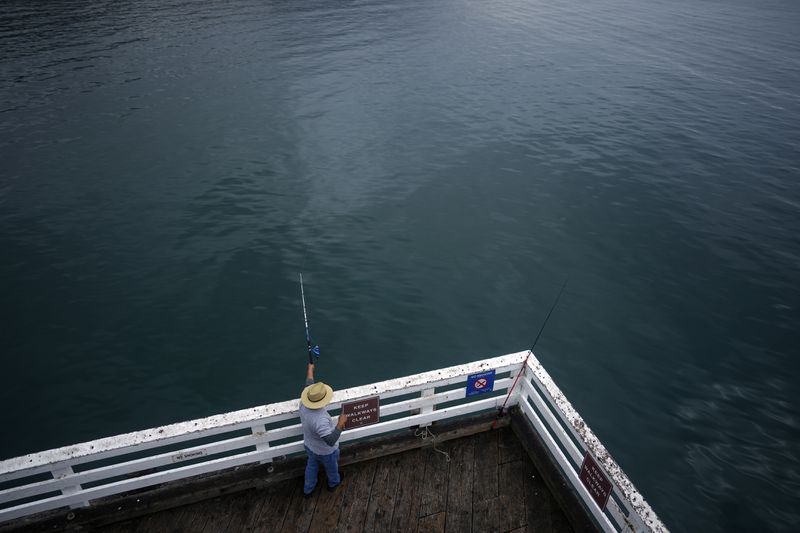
[{"x": 320, "y": 433}]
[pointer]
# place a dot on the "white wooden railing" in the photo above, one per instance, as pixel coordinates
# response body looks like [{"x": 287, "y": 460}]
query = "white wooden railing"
[
  {"x": 73, "y": 476},
  {"x": 569, "y": 438}
]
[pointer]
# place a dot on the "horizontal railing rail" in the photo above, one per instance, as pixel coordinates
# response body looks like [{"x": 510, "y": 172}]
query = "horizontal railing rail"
[
  {"x": 569, "y": 438},
  {"x": 76, "y": 475}
]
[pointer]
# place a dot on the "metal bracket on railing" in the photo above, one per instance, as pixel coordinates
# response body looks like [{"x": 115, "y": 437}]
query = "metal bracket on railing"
[{"x": 66, "y": 491}]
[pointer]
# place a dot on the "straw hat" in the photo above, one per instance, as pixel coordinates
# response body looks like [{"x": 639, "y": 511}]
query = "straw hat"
[{"x": 317, "y": 396}]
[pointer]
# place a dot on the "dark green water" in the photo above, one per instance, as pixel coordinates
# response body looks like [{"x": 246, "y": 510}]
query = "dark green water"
[{"x": 436, "y": 169}]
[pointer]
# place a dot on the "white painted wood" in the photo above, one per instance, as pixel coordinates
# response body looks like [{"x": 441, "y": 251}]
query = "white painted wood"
[
  {"x": 561, "y": 437},
  {"x": 260, "y": 431},
  {"x": 641, "y": 514},
  {"x": 557, "y": 419},
  {"x": 562, "y": 460},
  {"x": 137, "y": 465},
  {"x": 173, "y": 433},
  {"x": 260, "y": 438},
  {"x": 421, "y": 419},
  {"x": 110, "y": 447},
  {"x": 552, "y": 423},
  {"x": 69, "y": 488},
  {"x": 215, "y": 431},
  {"x": 427, "y": 393},
  {"x": 237, "y": 460},
  {"x": 427, "y": 403},
  {"x": 567, "y": 443}
]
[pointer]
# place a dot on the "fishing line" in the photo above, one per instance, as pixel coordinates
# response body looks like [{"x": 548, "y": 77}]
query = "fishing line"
[{"x": 530, "y": 352}]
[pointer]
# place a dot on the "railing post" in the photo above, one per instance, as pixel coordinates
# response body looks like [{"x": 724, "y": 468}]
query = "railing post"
[
  {"x": 262, "y": 447},
  {"x": 66, "y": 491},
  {"x": 428, "y": 408},
  {"x": 517, "y": 394}
]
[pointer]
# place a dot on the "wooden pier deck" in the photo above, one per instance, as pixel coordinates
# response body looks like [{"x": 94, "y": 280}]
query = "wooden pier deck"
[{"x": 489, "y": 484}]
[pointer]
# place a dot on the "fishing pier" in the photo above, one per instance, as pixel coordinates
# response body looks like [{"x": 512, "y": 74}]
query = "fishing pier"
[{"x": 434, "y": 457}]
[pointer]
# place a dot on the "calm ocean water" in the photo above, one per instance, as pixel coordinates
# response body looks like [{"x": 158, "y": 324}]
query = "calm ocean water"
[{"x": 436, "y": 169}]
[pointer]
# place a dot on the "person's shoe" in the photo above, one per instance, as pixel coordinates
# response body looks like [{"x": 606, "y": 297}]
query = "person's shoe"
[
  {"x": 341, "y": 479},
  {"x": 307, "y": 496}
]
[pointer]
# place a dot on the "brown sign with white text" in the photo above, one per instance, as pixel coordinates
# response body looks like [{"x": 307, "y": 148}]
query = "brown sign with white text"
[
  {"x": 362, "y": 412},
  {"x": 595, "y": 481}
]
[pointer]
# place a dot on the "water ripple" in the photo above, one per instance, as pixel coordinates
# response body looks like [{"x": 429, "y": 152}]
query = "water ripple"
[{"x": 436, "y": 169}]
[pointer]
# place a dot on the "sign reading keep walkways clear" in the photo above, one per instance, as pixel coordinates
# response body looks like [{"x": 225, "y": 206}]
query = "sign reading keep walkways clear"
[
  {"x": 362, "y": 412},
  {"x": 480, "y": 383},
  {"x": 595, "y": 481}
]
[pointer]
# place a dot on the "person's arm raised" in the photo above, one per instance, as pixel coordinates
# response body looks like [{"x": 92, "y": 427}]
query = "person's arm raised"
[{"x": 310, "y": 374}]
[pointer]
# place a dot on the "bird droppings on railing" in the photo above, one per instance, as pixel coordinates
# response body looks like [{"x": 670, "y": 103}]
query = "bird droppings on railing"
[
  {"x": 421, "y": 405},
  {"x": 232, "y": 421},
  {"x": 596, "y": 448}
]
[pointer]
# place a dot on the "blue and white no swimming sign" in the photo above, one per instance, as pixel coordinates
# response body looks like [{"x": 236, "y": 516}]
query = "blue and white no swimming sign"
[{"x": 480, "y": 383}]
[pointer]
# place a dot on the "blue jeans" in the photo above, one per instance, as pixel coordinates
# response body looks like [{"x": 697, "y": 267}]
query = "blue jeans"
[{"x": 329, "y": 462}]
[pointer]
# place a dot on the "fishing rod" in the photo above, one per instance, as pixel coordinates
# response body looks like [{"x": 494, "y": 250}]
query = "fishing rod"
[
  {"x": 312, "y": 350},
  {"x": 548, "y": 314},
  {"x": 538, "y": 335}
]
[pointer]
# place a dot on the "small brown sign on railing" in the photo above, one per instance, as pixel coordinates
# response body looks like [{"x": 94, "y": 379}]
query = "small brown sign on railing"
[
  {"x": 595, "y": 481},
  {"x": 362, "y": 412}
]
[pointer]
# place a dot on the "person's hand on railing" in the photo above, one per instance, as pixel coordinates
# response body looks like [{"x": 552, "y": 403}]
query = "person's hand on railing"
[{"x": 341, "y": 422}]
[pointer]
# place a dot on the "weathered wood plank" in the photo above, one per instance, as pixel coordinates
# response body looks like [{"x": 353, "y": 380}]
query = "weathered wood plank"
[
  {"x": 486, "y": 516},
  {"x": 193, "y": 517},
  {"x": 249, "y": 504},
  {"x": 329, "y": 507},
  {"x": 128, "y": 526},
  {"x": 512, "y": 496},
  {"x": 221, "y": 516},
  {"x": 459, "y": 489},
  {"x": 407, "y": 499},
  {"x": 212, "y": 515},
  {"x": 433, "y": 492},
  {"x": 538, "y": 502},
  {"x": 564, "y": 494},
  {"x": 560, "y": 523},
  {"x": 258, "y": 499},
  {"x": 300, "y": 510},
  {"x": 394, "y": 444},
  {"x": 509, "y": 446},
  {"x": 477, "y": 491},
  {"x": 383, "y": 494},
  {"x": 128, "y": 506},
  {"x": 241, "y": 506},
  {"x": 434, "y": 523},
  {"x": 356, "y": 499},
  {"x": 169, "y": 520},
  {"x": 268, "y": 517},
  {"x": 485, "y": 470},
  {"x": 541, "y": 509}
]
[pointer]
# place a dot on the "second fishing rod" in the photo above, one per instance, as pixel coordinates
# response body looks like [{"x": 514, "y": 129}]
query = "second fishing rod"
[{"x": 538, "y": 335}]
